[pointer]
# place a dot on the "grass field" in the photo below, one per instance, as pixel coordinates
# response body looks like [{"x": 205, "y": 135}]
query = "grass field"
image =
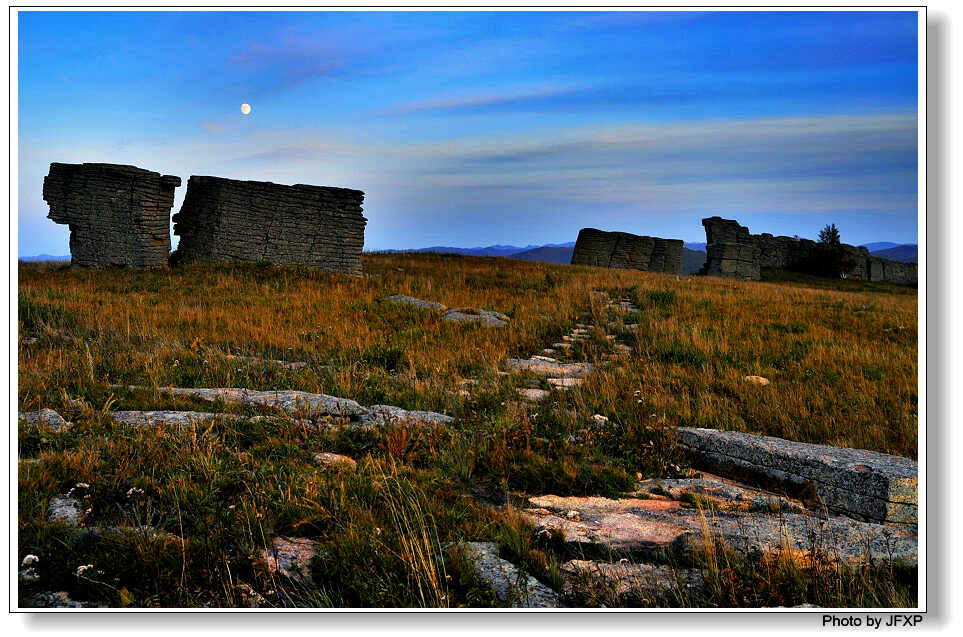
[{"x": 841, "y": 355}]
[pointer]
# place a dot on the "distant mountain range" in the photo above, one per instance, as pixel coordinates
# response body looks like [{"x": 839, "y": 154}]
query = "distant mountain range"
[
  {"x": 487, "y": 251},
  {"x": 46, "y": 257},
  {"x": 693, "y": 254},
  {"x": 907, "y": 253}
]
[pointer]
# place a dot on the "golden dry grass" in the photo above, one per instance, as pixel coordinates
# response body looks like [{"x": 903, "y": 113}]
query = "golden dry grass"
[{"x": 842, "y": 359}]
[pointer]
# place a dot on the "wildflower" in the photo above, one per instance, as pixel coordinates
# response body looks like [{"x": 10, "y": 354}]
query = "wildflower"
[
  {"x": 30, "y": 559},
  {"x": 83, "y": 569}
]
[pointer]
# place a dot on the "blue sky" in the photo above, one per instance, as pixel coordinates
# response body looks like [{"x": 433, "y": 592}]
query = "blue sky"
[{"x": 475, "y": 128}]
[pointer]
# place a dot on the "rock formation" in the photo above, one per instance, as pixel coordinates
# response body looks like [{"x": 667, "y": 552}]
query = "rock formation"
[
  {"x": 732, "y": 252},
  {"x": 118, "y": 215},
  {"x": 624, "y": 250},
  {"x": 230, "y": 221}
]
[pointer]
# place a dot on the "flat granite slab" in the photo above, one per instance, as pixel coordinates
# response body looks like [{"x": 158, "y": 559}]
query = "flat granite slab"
[
  {"x": 862, "y": 484},
  {"x": 649, "y": 526}
]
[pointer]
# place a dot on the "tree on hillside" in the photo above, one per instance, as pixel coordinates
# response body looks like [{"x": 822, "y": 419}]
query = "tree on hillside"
[{"x": 829, "y": 235}]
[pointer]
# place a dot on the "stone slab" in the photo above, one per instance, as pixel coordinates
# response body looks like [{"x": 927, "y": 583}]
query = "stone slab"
[
  {"x": 636, "y": 525},
  {"x": 410, "y": 300},
  {"x": 542, "y": 367},
  {"x": 855, "y": 482}
]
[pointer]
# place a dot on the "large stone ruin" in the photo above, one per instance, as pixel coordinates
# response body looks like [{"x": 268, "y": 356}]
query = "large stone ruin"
[
  {"x": 230, "y": 221},
  {"x": 734, "y": 253},
  {"x": 118, "y": 215},
  {"x": 624, "y": 250}
]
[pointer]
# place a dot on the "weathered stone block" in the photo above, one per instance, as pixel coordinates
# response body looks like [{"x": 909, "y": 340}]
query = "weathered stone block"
[
  {"x": 624, "y": 250},
  {"x": 858, "y": 483},
  {"x": 230, "y": 221},
  {"x": 118, "y": 215}
]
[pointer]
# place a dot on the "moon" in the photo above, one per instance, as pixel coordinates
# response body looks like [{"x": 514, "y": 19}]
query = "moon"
[{"x": 245, "y": 109}]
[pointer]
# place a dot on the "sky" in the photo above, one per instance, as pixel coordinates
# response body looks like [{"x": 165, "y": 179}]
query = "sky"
[{"x": 477, "y": 128}]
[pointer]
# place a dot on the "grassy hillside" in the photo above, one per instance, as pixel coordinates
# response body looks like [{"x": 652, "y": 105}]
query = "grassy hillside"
[{"x": 843, "y": 366}]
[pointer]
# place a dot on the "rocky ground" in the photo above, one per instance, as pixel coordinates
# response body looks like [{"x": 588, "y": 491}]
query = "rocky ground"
[{"x": 766, "y": 496}]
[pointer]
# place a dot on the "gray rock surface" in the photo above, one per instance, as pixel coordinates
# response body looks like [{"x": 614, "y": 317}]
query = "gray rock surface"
[
  {"x": 642, "y": 582},
  {"x": 854, "y": 482},
  {"x": 291, "y": 401},
  {"x": 158, "y": 418},
  {"x": 547, "y": 367},
  {"x": 651, "y": 525},
  {"x": 118, "y": 215},
  {"x": 231, "y": 221},
  {"x": 488, "y": 318},
  {"x": 410, "y": 300},
  {"x": 45, "y": 418},
  {"x": 290, "y": 558},
  {"x": 65, "y": 509},
  {"x": 624, "y": 250},
  {"x": 510, "y": 584},
  {"x": 297, "y": 403},
  {"x": 381, "y": 415}
]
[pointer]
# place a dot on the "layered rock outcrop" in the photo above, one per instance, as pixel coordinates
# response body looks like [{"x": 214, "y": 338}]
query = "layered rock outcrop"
[
  {"x": 118, "y": 215},
  {"x": 624, "y": 250},
  {"x": 231, "y": 221},
  {"x": 732, "y": 252}
]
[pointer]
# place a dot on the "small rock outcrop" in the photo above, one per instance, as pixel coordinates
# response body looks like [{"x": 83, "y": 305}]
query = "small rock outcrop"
[
  {"x": 118, "y": 215},
  {"x": 231, "y": 221},
  {"x": 488, "y": 318},
  {"x": 857, "y": 483},
  {"x": 45, "y": 418},
  {"x": 510, "y": 584},
  {"x": 293, "y": 402},
  {"x": 630, "y": 251},
  {"x": 410, "y": 300}
]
